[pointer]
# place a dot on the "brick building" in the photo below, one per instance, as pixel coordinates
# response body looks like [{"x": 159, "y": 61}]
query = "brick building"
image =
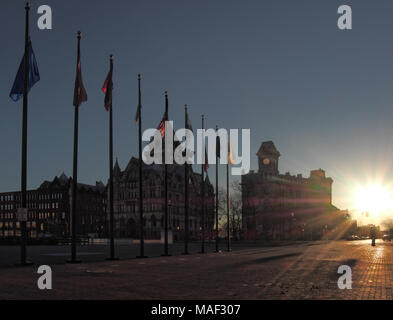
[
  {"x": 49, "y": 209},
  {"x": 49, "y": 205},
  {"x": 283, "y": 206},
  {"x": 126, "y": 195}
]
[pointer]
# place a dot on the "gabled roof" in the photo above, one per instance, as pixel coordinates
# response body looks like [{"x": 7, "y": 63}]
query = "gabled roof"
[
  {"x": 65, "y": 182},
  {"x": 268, "y": 148}
]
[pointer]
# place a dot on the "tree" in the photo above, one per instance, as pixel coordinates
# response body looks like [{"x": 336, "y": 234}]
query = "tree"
[
  {"x": 388, "y": 225},
  {"x": 236, "y": 210}
]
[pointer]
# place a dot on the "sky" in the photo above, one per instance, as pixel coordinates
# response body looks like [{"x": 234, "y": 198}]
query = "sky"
[{"x": 279, "y": 68}]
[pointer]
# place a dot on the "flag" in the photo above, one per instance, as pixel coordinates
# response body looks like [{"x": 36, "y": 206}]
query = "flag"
[
  {"x": 80, "y": 94},
  {"x": 218, "y": 146},
  {"x": 107, "y": 89},
  {"x": 231, "y": 161},
  {"x": 138, "y": 110},
  {"x": 33, "y": 75},
  {"x": 189, "y": 127},
  {"x": 161, "y": 126},
  {"x": 188, "y": 122},
  {"x": 206, "y": 166}
]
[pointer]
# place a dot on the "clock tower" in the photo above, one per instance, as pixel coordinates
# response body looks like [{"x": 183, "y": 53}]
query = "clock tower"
[{"x": 268, "y": 158}]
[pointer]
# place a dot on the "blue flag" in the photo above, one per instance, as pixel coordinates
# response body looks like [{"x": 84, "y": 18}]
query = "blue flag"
[{"x": 34, "y": 75}]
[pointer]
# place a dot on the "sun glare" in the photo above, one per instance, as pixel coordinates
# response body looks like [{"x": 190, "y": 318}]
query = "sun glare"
[{"x": 374, "y": 201}]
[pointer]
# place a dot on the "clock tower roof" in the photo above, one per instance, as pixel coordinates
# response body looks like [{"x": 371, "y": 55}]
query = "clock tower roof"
[{"x": 268, "y": 149}]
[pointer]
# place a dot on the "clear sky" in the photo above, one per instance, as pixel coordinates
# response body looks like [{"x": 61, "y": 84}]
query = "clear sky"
[{"x": 280, "y": 68}]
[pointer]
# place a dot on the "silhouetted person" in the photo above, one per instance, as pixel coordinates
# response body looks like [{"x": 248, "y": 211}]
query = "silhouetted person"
[{"x": 372, "y": 235}]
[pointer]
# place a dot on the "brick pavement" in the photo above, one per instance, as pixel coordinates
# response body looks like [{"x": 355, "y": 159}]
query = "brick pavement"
[{"x": 304, "y": 271}]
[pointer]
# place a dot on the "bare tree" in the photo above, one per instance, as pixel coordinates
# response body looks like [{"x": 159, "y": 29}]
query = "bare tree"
[
  {"x": 235, "y": 210},
  {"x": 387, "y": 225}
]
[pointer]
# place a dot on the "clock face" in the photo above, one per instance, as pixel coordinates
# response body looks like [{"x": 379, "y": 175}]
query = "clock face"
[{"x": 266, "y": 161}]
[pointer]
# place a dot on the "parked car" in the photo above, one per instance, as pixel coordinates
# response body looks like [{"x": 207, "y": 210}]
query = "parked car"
[{"x": 387, "y": 237}]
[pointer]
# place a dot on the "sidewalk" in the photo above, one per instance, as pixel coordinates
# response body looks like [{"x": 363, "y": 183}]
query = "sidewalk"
[{"x": 307, "y": 271}]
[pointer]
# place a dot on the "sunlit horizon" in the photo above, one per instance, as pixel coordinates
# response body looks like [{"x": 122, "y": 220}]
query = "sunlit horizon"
[{"x": 372, "y": 202}]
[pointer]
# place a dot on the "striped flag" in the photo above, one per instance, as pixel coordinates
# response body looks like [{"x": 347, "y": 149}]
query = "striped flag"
[{"x": 80, "y": 94}]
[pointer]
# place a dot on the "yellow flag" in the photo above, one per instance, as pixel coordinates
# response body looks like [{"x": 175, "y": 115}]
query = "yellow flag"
[{"x": 231, "y": 160}]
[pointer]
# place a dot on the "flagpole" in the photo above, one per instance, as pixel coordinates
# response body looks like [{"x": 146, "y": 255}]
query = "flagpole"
[
  {"x": 186, "y": 222},
  {"x": 217, "y": 249},
  {"x": 142, "y": 244},
  {"x": 203, "y": 187},
  {"x": 166, "y": 253},
  {"x": 228, "y": 211},
  {"x": 23, "y": 250},
  {"x": 75, "y": 177},
  {"x": 111, "y": 222}
]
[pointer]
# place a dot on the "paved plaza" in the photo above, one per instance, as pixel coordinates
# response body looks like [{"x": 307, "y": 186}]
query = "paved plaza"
[{"x": 305, "y": 270}]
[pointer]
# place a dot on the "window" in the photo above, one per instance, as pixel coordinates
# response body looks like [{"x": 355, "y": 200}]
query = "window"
[{"x": 153, "y": 221}]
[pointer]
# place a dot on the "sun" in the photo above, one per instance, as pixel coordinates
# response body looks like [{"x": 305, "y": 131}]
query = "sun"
[{"x": 374, "y": 200}]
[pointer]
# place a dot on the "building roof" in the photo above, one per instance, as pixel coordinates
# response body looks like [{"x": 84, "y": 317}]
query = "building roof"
[
  {"x": 65, "y": 182},
  {"x": 174, "y": 170},
  {"x": 268, "y": 148}
]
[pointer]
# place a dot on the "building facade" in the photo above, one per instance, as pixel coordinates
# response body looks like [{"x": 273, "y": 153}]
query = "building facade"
[
  {"x": 283, "y": 206},
  {"x": 49, "y": 210},
  {"x": 49, "y": 206},
  {"x": 126, "y": 203}
]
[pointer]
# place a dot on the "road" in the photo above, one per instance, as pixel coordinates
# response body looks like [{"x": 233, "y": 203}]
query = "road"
[
  {"x": 58, "y": 254},
  {"x": 298, "y": 271}
]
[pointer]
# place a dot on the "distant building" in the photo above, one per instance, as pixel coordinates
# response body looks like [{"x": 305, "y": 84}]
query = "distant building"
[
  {"x": 365, "y": 231},
  {"x": 282, "y": 206},
  {"x": 126, "y": 203},
  {"x": 49, "y": 209},
  {"x": 49, "y": 205}
]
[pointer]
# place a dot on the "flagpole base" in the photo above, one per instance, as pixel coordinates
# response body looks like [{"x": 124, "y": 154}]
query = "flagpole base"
[{"x": 24, "y": 264}]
